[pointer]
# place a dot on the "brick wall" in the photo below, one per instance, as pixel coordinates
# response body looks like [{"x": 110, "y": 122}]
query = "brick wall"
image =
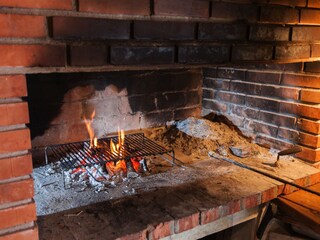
[
  {"x": 17, "y": 208},
  {"x": 110, "y": 35},
  {"x": 276, "y": 108},
  {"x": 129, "y": 100}
]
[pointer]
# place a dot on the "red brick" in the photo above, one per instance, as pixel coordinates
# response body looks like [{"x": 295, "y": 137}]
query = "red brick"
[
  {"x": 252, "y": 52},
  {"x": 230, "y": 97},
  {"x": 13, "y": 86},
  {"x": 122, "y": 55},
  {"x": 309, "y": 154},
  {"x": 312, "y": 67},
  {"x": 186, "y": 223},
  {"x": 209, "y": 215},
  {"x": 251, "y": 201},
  {"x": 164, "y": 30},
  {"x": 280, "y": 92},
  {"x": 314, "y": 3},
  {"x": 90, "y": 28},
  {"x": 277, "y": 119},
  {"x": 184, "y": 8},
  {"x": 310, "y": 16},
  {"x": 315, "y": 51},
  {"x": 269, "y": 33},
  {"x": 305, "y": 33},
  {"x": 28, "y": 234},
  {"x": 17, "y": 215},
  {"x": 309, "y": 126},
  {"x": 12, "y": 25},
  {"x": 88, "y": 55},
  {"x": 310, "y": 140},
  {"x": 230, "y": 208},
  {"x": 51, "y": 4},
  {"x": 127, "y": 7},
  {"x": 16, "y": 140},
  {"x": 269, "y": 195},
  {"x": 15, "y": 166},
  {"x": 203, "y": 54},
  {"x": 301, "y": 80},
  {"x": 32, "y": 55},
  {"x": 288, "y": 134},
  {"x": 162, "y": 230},
  {"x": 16, "y": 191},
  {"x": 268, "y": 104},
  {"x": 263, "y": 77},
  {"x": 14, "y": 113},
  {"x": 312, "y": 96},
  {"x": 314, "y": 179},
  {"x": 292, "y": 52},
  {"x": 303, "y": 110},
  {"x": 232, "y": 11},
  {"x": 279, "y": 15}
]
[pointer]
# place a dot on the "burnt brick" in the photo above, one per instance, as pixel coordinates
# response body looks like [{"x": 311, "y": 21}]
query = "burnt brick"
[
  {"x": 277, "y": 119},
  {"x": 309, "y": 16},
  {"x": 288, "y": 134},
  {"x": 246, "y": 52},
  {"x": 158, "y": 118},
  {"x": 306, "y": 33},
  {"x": 213, "y": 83},
  {"x": 50, "y": 4},
  {"x": 143, "y": 103},
  {"x": 12, "y": 25},
  {"x": 90, "y": 28},
  {"x": 88, "y": 55},
  {"x": 263, "y": 103},
  {"x": 232, "y": 11},
  {"x": 215, "y": 105},
  {"x": 184, "y": 113},
  {"x": 210, "y": 72},
  {"x": 192, "y": 98},
  {"x": 268, "y": 142},
  {"x": 269, "y": 33},
  {"x": 32, "y": 55},
  {"x": 231, "y": 73},
  {"x": 244, "y": 111},
  {"x": 13, "y": 86},
  {"x": 291, "y": 3},
  {"x": 208, "y": 93},
  {"x": 231, "y": 97},
  {"x": 170, "y": 100},
  {"x": 292, "y": 52},
  {"x": 142, "y": 55},
  {"x": 280, "y": 92},
  {"x": 261, "y": 127},
  {"x": 127, "y": 7},
  {"x": 164, "y": 30},
  {"x": 203, "y": 54},
  {"x": 301, "y": 80},
  {"x": 312, "y": 67},
  {"x": 216, "y": 31},
  {"x": 279, "y": 15},
  {"x": 246, "y": 88},
  {"x": 263, "y": 77},
  {"x": 184, "y": 8}
]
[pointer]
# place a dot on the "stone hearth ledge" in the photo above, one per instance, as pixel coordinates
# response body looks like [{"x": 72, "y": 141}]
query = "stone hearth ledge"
[{"x": 222, "y": 195}]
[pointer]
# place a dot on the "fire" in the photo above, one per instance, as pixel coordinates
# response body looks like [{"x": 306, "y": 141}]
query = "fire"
[
  {"x": 88, "y": 122},
  {"x": 117, "y": 150}
]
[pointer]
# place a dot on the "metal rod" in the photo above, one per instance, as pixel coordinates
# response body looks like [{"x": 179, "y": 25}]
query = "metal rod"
[{"x": 214, "y": 155}]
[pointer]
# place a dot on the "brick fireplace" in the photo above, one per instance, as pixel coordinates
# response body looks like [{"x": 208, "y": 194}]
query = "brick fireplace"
[{"x": 252, "y": 61}]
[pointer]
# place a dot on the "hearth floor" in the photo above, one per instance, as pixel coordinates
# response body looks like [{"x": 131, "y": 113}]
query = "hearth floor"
[{"x": 203, "y": 192}]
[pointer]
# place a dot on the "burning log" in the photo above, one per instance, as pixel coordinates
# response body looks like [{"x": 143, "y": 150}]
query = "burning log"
[{"x": 131, "y": 173}]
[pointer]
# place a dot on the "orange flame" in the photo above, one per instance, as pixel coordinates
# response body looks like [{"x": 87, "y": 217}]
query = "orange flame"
[
  {"x": 88, "y": 122},
  {"x": 117, "y": 150}
]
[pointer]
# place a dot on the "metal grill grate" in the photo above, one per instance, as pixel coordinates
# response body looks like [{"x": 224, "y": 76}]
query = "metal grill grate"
[{"x": 79, "y": 154}]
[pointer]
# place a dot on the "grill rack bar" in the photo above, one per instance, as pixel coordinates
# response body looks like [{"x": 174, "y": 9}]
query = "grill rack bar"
[{"x": 79, "y": 154}]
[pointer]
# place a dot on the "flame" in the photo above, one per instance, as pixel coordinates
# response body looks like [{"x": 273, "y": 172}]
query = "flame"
[
  {"x": 88, "y": 122},
  {"x": 117, "y": 150}
]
